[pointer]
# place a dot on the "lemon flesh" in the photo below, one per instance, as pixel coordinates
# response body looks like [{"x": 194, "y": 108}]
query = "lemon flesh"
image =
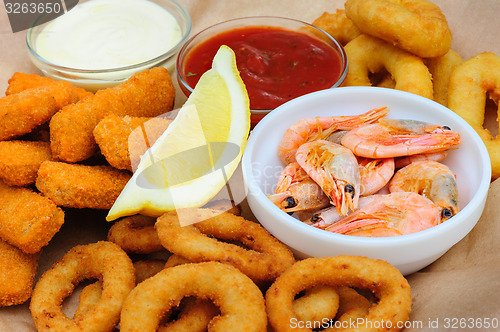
[{"x": 200, "y": 150}]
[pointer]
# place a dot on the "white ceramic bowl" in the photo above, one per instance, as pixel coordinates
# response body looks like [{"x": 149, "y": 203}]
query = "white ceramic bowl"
[{"x": 409, "y": 253}]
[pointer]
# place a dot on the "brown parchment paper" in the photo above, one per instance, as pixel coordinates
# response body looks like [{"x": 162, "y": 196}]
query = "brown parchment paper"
[{"x": 462, "y": 285}]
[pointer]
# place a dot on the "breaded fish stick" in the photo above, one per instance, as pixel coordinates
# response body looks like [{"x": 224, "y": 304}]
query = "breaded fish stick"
[
  {"x": 146, "y": 94},
  {"x": 20, "y": 113},
  {"x": 17, "y": 274},
  {"x": 28, "y": 220},
  {"x": 20, "y": 160},
  {"x": 63, "y": 92},
  {"x": 21, "y": 81},
  {"x": 81, "y": 186},
  {"x": 123, "y": 140}
]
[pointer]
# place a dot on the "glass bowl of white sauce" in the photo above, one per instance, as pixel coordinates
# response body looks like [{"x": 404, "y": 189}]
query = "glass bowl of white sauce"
[{"x": 101, "y": 43}]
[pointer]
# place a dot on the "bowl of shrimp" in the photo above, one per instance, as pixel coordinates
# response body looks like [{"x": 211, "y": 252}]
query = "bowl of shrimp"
[{"x": 366, "y": 171}]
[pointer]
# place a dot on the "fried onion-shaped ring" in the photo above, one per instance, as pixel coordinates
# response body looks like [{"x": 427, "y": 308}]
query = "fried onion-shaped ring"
[
  {"x": 104, "y": 261},
  {"x": 352, "y": 305},
  {"x": 470, "y": 83},
  {"x": 388, "y": 285},
  {"x": 195, "y": 315},
  {"x": 417, "y": 26},
  {"x": 338, "y": 25},
  {"x": 266, "y": 260},
  {"x": 441, "y": 69},
  {"x": 87, "y": 299},
  {"x": 175, "y": 260},
  {"x": 136, "y": 234},
  {"x": 240, "y": 301},
  {"x": 368, "y": 55},
  {"x": 317, "y": 304}
]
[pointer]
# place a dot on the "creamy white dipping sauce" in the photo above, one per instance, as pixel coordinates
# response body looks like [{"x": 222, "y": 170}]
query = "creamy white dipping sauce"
[{"x": 105, "y": 34}]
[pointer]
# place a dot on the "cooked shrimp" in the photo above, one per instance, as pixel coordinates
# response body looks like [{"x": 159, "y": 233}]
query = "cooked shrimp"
[
  {"x": 375, "y": 174},
  {"x": 335, "y": 169},
  {"x": 398, "y": 213},
  {"x": 401, "y": 162},
  {"x": 336, "y": 137},
  {"x": 296, "y": 191},
  {"x": 330, "y": 215},
  {"x": 311, "y": 129},
  {"x": 432, "y": 180},
  {"x": 396, "y": 138}
]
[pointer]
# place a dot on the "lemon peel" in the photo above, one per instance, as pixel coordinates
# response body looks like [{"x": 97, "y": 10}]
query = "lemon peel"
[{"x": 200, "y": 150}]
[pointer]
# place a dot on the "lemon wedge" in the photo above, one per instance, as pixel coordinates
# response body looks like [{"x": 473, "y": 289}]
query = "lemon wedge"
[{"x": 200, "y": 150}]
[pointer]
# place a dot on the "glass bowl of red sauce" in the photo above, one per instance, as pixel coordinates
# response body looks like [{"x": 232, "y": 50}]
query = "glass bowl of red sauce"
[{"x": 279, "y": 59}]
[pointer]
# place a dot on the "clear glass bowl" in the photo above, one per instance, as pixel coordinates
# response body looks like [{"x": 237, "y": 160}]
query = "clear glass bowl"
[
  {"x": 279, "y": 22},
  {"x": 93, "y": 80}
]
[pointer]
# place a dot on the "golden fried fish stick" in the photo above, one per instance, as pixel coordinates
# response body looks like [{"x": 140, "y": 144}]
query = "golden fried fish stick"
[
  {"x": 20, "y": 160},
  {"x": 123, "y": 140},
  {"x": 22, "y": 112},
  {"x": 17, "y": 274},
  {"x": 22, "y": 81},
  {"x": 81, "y": 186},
  {"x": 146, "y": 94},
  {"x": 28, "y": 220}
]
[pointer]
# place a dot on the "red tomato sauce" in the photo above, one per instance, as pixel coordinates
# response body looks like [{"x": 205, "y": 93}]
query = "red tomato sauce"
[{"x": 276, "y": 65}]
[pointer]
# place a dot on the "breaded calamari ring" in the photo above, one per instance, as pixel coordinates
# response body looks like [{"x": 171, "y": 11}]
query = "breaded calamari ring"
[
  {"x": 81, "y": 186},
  {"x": 240, "y": 301},
  {"x": 137, "y": 234},
  {"x": 441, "y": 69},
  {"x": 22, "y": 112},
  {"x": 175, "y": 260},
  {"x": 338, "y": 25},
  {"x": 20, "y": 160},
  {"x": 91, "y": 294},
  {"x": 265, "y": 261},
  {"x": 123, "y": 140},
  {"x": 224, "y": 205},
  {"x": 28, "y": 220},
  {"x": 17, "y": 274},
  {"x": 352, "y": 305},
  {"x": 385, "y": 281},
  {"x": 87, "y": 299},
  {"x": 470, "y": 84},
  {"x": 147, "y": 268},
  {"x": 22, "y": 81},
  {"x": 146, "y": 94},
  {"x": 104, "y": 261},
  {"x": 317, "y": 304},
  {"x": 370, "y": 55},
  {"x": 417, "y": 26},
  {"x": 194, "y": 316}
]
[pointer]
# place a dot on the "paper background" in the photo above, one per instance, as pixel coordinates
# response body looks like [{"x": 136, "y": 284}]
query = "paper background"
[{"x": 463, "y": 284}]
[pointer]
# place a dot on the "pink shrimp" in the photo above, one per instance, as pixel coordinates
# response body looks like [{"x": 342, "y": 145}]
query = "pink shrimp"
[
  {"x": 375, "y": 174},
  {"x": 311, "y": 129},
  {"x": 335, "y": 169},
  {"x": 329, "y": 215},
  {"x": 401, "y": 162},
  {"x": 396, "y": 138},
  {"x": 397, "y": 213},
  {"x": 296, "y": 191},
  {"x": 432, "y": 180}
]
